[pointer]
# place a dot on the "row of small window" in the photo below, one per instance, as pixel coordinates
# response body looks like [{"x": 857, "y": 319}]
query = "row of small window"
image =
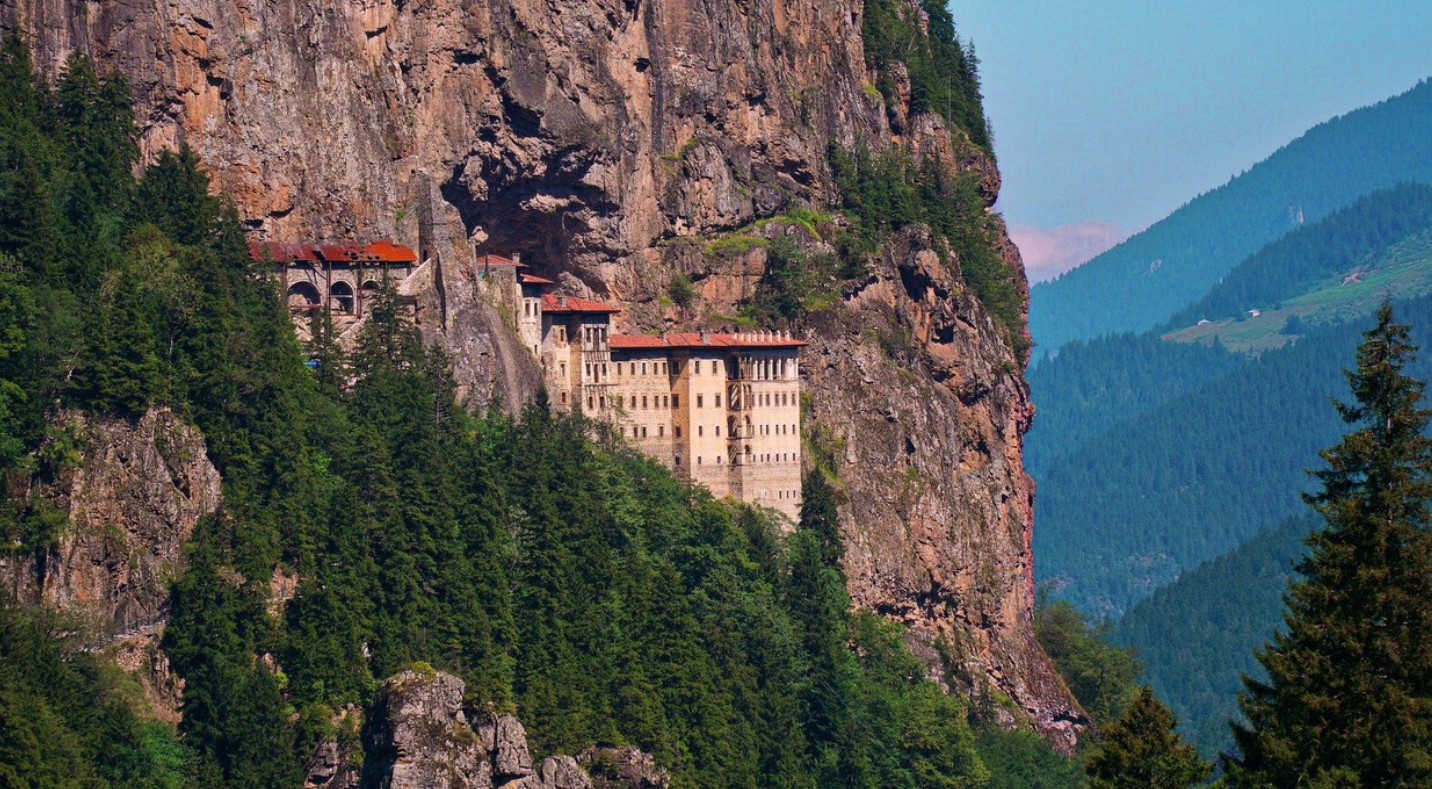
[
  {"x": 788, "y": 494},
  {"x": 766, "y": 430},
  {"x": 656, "y": 401},
  {"x": 658, "y": 367},
  {"x": 768, "y": 457}
]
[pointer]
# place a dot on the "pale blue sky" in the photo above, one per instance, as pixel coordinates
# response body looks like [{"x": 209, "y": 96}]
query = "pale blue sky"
[{"x": 1120, "y": 111}]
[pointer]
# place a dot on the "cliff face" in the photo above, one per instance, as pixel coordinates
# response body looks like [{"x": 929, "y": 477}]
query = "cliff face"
[
  {"x": 132, "y": 493},
  {"x": 608, "y": 141}
]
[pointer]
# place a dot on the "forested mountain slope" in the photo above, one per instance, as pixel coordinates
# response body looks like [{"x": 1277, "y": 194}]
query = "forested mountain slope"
[
  {"x": 1351, "y": 240},
  {"x": 1146, "y": 279},
  {"x": 1091, "y": 386},
  {"x": 1197, "y": 635},
  {"x": 1132, "y": 507}
]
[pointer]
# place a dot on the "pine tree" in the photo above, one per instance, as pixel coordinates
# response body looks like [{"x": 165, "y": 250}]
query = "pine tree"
[
  {"x": 820, "y": 516},
  {"x": 1140, "y": 750},
  {"x": 1348, "y": 699}
]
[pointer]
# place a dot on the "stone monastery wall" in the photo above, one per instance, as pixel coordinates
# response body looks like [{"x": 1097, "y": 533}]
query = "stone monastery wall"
[{"x": 720, "y": 410}]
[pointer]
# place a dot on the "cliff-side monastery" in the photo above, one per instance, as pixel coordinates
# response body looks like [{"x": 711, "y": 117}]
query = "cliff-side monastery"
[{"x": 721, "y": 410}]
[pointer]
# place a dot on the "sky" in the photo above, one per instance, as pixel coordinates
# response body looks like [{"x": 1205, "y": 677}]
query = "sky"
[{"x": 1109, "y": 115}]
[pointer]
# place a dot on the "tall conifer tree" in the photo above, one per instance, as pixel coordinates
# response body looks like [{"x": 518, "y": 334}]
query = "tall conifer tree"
[{"x": 1348, "y": 700}]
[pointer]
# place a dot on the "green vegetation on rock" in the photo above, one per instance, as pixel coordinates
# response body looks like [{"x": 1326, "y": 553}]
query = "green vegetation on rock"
[
  {"x": 943, "y": 74},
  {"x": 888, "y": 190},
  {"x": 553, "y": 569}
]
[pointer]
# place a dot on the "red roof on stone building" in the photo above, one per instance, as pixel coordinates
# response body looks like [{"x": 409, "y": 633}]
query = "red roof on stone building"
[
  {"x": 533, "y": 279},
  {"x": 381, "y": 251},
  {"x": 704, "y": 340},
  {"x": 551, "y": 303}
]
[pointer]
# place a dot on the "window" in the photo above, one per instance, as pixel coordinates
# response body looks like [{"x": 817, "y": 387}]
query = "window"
[
  {"x": 665, "y": 401},
  {"x": 678, "y": 460},
  {"x": 718, "y": 430},
  {"x": 718, "y": 401},
  {"x": 676, "y": 401},
  {"x": 589, "y": 402},
  {"x": 698, "y": 460},
  {"x": 678, "y": 431},
  {"x": 661, "y": 431},
  {"x": 643, "y": 368},
  {"x": 699, "y": 399},
  {"x": 633, "y": 431},
  {"x": 643, "y": 401},
  {"x": 718, "y": 460},
  {"x": 697, "y": 369},
  {"x": 700, "y": 430},
  {"x": 602, "y": 401},
  {"x": 564, "y": 398},
  {"x": 643, "y": 431}
]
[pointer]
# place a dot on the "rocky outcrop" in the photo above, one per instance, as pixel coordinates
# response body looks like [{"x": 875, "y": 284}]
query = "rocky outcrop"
[
  {"x": 610, "y": 142},
  {"x": 129, "y": 494},
  {"x": 622, "y": 768},
  {"x": 421, "y": 739}
]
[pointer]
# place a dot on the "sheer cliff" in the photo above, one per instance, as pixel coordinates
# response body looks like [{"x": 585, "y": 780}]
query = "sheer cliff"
[{"x": 615, "y": 144}]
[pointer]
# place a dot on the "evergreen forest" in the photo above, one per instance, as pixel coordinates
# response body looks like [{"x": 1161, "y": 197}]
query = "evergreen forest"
[{"x": 1196, "y": 636}]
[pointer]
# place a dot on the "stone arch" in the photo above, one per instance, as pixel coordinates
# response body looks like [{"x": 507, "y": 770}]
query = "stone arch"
[
  {"x": 341, "y": 297},
  {"x": 302, "y": 295}
]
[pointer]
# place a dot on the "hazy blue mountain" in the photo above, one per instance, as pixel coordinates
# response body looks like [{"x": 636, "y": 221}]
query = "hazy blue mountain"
[
  {"x": 1129, "y": 509},
  {"x": 1196, "y": 636},
  {"x": 1352, "y": 237},
  {"x": 1152, "y": 456},
  {"x": 1146, "y": 279},
  {"x": 1091, "y": 386}
]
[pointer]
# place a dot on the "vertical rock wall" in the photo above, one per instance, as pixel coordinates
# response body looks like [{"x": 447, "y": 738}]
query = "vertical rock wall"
[{"x": 132, "y": 493}]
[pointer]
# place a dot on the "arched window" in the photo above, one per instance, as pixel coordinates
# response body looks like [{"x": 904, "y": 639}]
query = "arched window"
[
  {"x": 341, "y": 297},
  {"x": 302, "y": 295}
]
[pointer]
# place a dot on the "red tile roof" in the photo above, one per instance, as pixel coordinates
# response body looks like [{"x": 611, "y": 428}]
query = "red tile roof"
[
  {"x": 704, "y": 340},
  {"x": 533, "y": 279},
  {"x": 381, "y": 251},
  {"x": 551, "y": 303}
]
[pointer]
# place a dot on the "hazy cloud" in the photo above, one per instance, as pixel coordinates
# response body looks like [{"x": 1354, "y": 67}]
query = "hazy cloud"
[{"x": 1052, "y": 251}]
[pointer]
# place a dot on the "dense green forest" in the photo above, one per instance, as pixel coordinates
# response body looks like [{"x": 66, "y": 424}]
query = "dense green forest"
[
  {"x": 1089, "y": 387},
  {"x": 1145, "y": 280},
  {"x": 560, "y": 574},
  {"x": 1352, "y": 237},
  {"x": 1196, "y": 636},
  {"x": 1130, "y": 508},
  {"x": 67, "y": 718}
]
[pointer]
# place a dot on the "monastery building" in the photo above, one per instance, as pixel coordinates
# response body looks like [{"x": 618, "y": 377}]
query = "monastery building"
[{"x": 721, "y": 410}]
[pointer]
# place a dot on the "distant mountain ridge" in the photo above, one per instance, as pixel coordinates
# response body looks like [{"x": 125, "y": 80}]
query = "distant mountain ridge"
[
  {"x": 1124, "y": 512},
  {"x": 1145, "y": 280},
  {"x": 1347, "y": 241},
  {"x": 1196, "y": 636}
]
